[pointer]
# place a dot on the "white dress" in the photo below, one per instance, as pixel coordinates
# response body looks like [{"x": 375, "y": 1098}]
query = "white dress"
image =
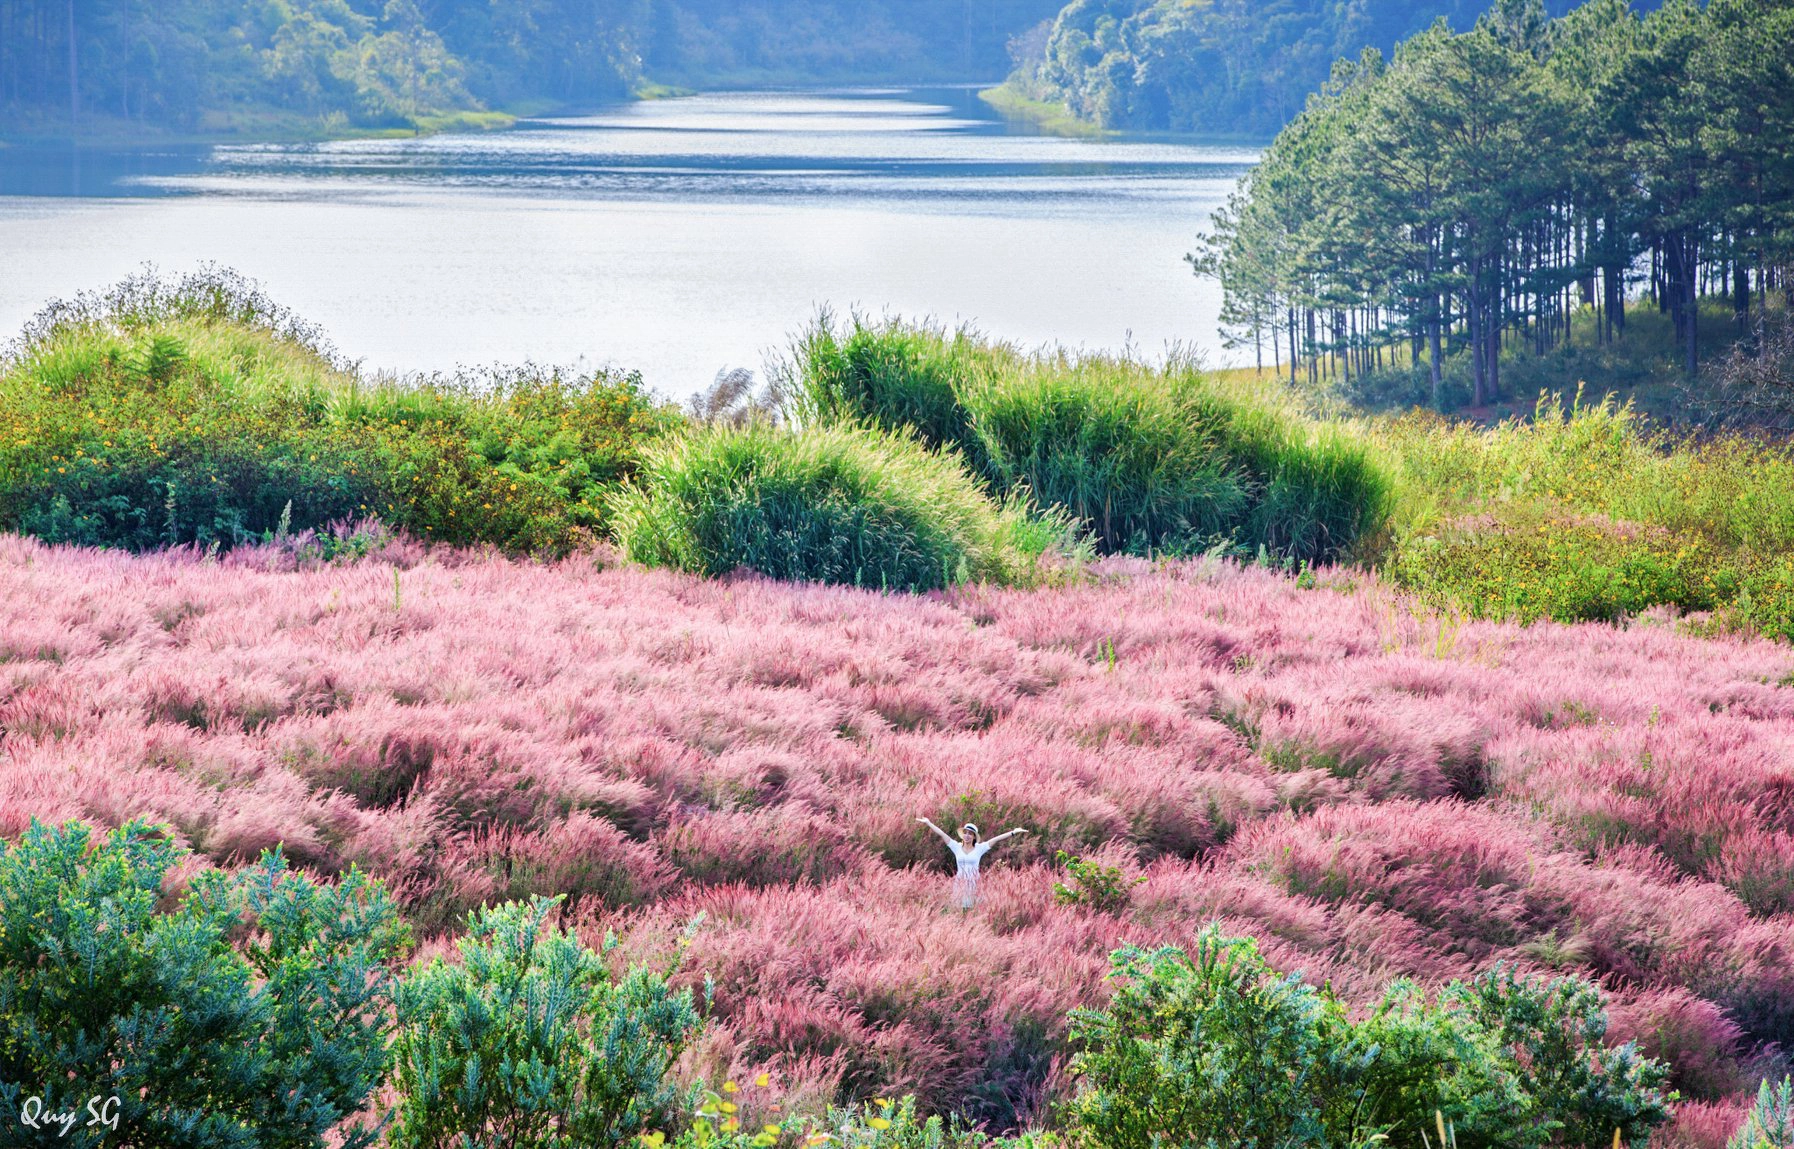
[{"x": 965, "y": 882}]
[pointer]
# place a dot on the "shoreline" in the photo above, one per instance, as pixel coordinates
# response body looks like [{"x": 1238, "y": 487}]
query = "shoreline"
[{"x": 1056, "y": 120}]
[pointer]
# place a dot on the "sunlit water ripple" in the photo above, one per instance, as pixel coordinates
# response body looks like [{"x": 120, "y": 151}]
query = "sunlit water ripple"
[{"x": 675, "y": 237}]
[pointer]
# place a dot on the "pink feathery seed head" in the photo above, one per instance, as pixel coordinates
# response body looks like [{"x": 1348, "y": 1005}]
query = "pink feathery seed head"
[
  {"x": 1692, "y": 1035},
  {"x": 1702, "y": 1124},
  {"x": 1369, "y": 787}
]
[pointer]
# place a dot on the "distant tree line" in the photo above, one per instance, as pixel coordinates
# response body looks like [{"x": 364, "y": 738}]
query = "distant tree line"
[
  {"x": 1228, "y": 66},
  {"x": 168, "y": 62},
  {"x": 1480, "y": 189}
]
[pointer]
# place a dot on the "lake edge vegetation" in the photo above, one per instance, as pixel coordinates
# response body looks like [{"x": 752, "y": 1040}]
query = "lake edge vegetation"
[
  {"x": 196, "y": 412},
  {"x": 1468, "y": 202}
]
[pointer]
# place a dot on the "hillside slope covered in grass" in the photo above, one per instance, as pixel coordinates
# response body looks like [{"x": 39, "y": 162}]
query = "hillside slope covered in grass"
[{"x": 1369, "y": 788}]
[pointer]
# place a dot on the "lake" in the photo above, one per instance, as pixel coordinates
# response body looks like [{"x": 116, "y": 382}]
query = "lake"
[{"x": 675, "y": 237}]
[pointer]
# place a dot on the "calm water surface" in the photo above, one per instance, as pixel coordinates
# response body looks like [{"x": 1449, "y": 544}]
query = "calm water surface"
[{"x": 675, "y": 237}]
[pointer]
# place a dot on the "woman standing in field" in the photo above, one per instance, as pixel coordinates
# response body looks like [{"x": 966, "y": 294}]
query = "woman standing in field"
[{"x": 968, "y": 850}]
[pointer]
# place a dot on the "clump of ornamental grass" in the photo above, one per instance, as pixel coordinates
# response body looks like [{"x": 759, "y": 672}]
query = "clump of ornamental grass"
[
  {"x": 1136, "y": 462},
  {"x": 1147, "y": 459},
  {"x": 893, "y": 375},
  {"x": 832, "y": 504}
]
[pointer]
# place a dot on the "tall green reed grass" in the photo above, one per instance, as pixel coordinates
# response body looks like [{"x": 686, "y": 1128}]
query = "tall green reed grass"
[
  {"x": 833, "y": 503},
  {"x": 1148, "y": 458}
]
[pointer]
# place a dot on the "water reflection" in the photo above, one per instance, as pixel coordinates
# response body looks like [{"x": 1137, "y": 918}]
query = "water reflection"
[{"x": 674, "y": 236}]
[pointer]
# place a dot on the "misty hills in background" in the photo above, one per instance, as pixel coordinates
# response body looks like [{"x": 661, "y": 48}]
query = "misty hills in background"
[
  {"x": 122, "y": 66},
  {"x": 1232, "y": 66}
]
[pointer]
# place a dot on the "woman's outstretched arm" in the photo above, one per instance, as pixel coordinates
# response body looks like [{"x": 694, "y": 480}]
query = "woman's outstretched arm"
[
  {"x": 1000, "y": 837},
  {"x": 945, "y": 837}
]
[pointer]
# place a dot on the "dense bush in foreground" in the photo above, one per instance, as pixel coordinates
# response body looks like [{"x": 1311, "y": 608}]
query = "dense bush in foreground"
[
  {"x": 196, "y": 411},
  {"x": 1215, "y": 1047},
  {"x": 1147, "y": 459},
  {"x": 156, "y": 1028},
  {"x": 1368, "y": 788},
  {"x": 526, "y": 1041},
  {"x": 832, "y": 505}
]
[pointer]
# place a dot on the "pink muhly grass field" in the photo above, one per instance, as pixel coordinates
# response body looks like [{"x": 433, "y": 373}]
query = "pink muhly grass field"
[{"x": 1371, "y": 789}]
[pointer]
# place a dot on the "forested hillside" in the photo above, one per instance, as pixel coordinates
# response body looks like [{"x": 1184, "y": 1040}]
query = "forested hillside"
[
  {"x": 1230, "y": 66},
  {"x": 1461, "y": 204},
  {"x": 188, "y": 63}
]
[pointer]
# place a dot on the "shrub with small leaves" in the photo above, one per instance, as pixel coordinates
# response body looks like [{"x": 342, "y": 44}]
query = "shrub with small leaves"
[
  {"x": 527, "y": 1042},
  {"x": 1554, "y": 1034},
  {"x": 1218, "y": 1048},
  {"x": 1092, "y": 884},
  {"x": 153, "y": 1016},
  {"x": 1212, "y": 1047}
]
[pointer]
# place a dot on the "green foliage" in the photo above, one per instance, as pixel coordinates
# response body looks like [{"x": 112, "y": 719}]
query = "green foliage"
[
  {"x": 528, "y": 1042},
  {"x": 1553, "y": 1033},
  {"x": 1583, "y": 512},
  {"x": 881, "y": 1124},
  {"x": 1212, "y": 1048},
  {"x": 884, "y": 1124},
  {"x": 894, "y": 376},
  {"x": 194, "y": 411},
  {"x": 1095, "y": 885},
  {"x": 1231, "y": 66},
  {"x": 1483, "y": 195},
  {"x": 1138, "y": 463},
  {"x": 1147, "y": 459},
  {"x": 106, "y": 992},
  {"x": 1217, "y": 1048},
  {"x": 834, "y": 504},
  {"x": 1770, "y": 1124}
]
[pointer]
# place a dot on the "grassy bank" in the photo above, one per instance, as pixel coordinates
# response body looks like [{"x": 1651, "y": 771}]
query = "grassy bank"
[
  {"x": 246, "y": 124},
  {"x": 1050, "y": 119},
  {"x": 199, "y": 412}
]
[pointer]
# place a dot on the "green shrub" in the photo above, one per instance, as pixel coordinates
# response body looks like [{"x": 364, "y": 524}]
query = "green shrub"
[
  {"x": 1217, "y": 1048},
  {"x": 189, "y": 413},
  {"x": 1132, "y": 458},
  {"x": 1209, "y": 1049},
  {"x": 153, "y": 1016},
  {"x": 1586, "y": 512},
  {"x": 1553, "y": 1034},
  {"x": 1526, "y": 562},
  {"x": 1319, "y": 490},
  {"x": 833, "y": 504},
  {"x": 527, "y": 1042},
  {"x": 1770, "y": 1124},
  {"x": 1092, "y": 884},
  {"x": 1146, "y": 458}
]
